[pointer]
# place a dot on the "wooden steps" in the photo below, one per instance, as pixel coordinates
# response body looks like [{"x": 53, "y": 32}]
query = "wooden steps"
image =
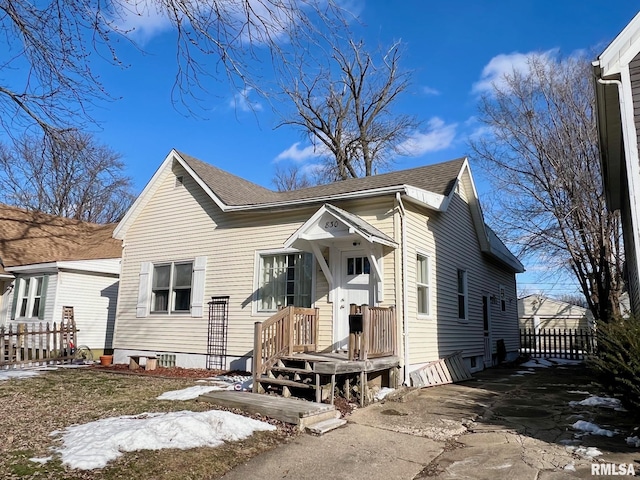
[
  {"x": 449, "y": 369},
  {"x": 297, "y": 412}
]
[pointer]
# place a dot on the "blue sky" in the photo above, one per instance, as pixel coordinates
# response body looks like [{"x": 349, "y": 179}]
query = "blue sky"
[{"x": 453, "y": 48}]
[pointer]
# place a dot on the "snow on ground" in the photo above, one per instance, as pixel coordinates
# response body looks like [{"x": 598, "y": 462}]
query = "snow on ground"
[
  {"x": 524, "y": 372},
  {"x": 22, "y": 373},
  {"x": 579, "y": 392},
  {"x": 594, "y": 401},
  {"x": 537, "y": 362},
  {"x": 565, "y": 361},
  {"x": 383, "y": 392},
  {"x": 633, "y": 442},
  {"x": 590, "y": 452},
  {"x": 222, "y": 382},
  {"x": 95, "y": 444},
  {"x": 592, "y": 428}
]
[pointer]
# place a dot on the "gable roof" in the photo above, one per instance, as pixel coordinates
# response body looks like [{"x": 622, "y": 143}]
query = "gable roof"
[
  {"x": 30, "y": 237},
  {"x": 431, "y": 186}
]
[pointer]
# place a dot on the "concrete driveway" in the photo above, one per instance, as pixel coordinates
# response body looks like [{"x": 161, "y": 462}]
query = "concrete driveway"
[{"x": 504, "y": 423}]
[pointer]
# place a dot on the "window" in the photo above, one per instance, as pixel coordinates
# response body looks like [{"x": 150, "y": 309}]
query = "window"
[
  {"x": 462, "y": 294},
  {"x": 30, "y": 295},
  {"x": 503, "y": 299},
  {"x": 171, "y": 287},
  {"x": 358, "y": 266},
  {"x": 422, "y": 281},
  {"x": 285, "y": 279}
]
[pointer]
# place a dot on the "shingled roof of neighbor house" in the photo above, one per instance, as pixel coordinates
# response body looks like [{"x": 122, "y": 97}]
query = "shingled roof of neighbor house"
[
  {"x": 234, "y": 191},
  {"x": 30, "y": 237}
]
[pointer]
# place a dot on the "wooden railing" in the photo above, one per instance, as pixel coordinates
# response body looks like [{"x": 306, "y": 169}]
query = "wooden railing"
[
  {"x": 378, "y": 334},
  {"x": 573, "y": 344},
  {"x": 25, "y": 344},
  {"x": 292, "y": 329}
]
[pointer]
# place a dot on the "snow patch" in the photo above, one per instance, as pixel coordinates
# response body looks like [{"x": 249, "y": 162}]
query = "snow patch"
[
  {"x": 589, "y": 452},
  {"x": 187, "y": 393},
  {"x": 537, "y": 363},
  {"x": 383, "y": 392},
  {"x": 594, "y": 401},
  {"x": 633, "y": 442},
  {"x": 22, "y": 373},
  {"x": 592, "y": 428},
  {"x": 95, "y": 444}
]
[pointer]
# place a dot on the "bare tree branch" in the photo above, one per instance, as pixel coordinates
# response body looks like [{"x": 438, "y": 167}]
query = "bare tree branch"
[
  {"x": 71, "y": 176},
  {"x": 542, "y": 156},
  {"x": 346, "y": 106}
]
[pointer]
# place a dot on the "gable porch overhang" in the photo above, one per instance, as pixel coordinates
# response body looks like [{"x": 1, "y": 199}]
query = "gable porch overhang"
[{"x": 331, "y": 225}]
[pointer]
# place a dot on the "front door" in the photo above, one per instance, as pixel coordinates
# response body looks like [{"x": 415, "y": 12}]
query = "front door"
[
  {"x": 355, "y": 287},
  {"x": 486, "y": 319}
]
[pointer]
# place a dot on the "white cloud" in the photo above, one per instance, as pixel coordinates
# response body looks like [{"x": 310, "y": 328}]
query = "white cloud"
[
  {"x": 438, "y": 136},
  {"x": 142, "y": 20},
  {"x": 298, "y": 155},
  {"x": 430, "y": 91},
  {"x": 506, "y": 64},
  {"x": 241, "y": 101}
]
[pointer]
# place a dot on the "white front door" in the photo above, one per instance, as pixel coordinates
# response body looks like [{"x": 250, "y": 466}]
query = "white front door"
[{"x": 355, "y": 287}]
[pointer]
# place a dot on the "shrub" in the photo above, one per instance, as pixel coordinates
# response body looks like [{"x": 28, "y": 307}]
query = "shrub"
[{"x": 616, "y": 364}]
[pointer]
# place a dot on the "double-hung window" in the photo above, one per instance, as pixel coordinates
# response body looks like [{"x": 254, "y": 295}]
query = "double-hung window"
[
  {"x": 503, "y": 299},
  {"x": 422, "y": 283},
  {"x": 30, "y": 296},
  {"x": 171, "y": 287},
  {"x": 284, "y": 279},
  {"x": 462, "y": 294}
]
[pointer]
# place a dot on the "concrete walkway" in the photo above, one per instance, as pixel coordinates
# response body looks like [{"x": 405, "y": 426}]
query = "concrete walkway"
[{"x": 501, "y": 424}]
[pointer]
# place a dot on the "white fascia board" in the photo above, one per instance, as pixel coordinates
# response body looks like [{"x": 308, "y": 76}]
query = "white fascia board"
[
  {"x": 48, "y": 267},
  {"x": 435, "y": 201},
  {"x": 7, "y": 276},
  {"x": 375, "y": 192},
  {"x": 622, "y": 49},
  {"x": 109, "y": 266}
]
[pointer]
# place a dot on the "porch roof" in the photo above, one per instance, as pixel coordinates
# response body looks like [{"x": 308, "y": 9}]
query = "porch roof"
[{"x": 320, "y": 226}]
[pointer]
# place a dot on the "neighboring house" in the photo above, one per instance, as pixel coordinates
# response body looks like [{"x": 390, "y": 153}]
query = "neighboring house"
[
  {"x": 48, "y": 263},
  {"x": 540, "y": 312},
  {"x": 413, "y": 239},
  {"x": 617, "y": 74}
]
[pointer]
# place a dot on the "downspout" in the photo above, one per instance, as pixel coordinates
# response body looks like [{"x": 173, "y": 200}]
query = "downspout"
[{"x": 405, "y": 294}]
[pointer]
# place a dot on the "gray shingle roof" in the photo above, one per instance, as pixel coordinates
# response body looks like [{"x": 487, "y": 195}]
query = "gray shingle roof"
[{"x": 235, "y": 191}]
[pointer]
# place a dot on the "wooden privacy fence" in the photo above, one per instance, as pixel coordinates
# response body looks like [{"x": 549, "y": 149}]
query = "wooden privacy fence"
[
  {"x": 573, "y": 344},
  {"x": 28, "y": 344}
]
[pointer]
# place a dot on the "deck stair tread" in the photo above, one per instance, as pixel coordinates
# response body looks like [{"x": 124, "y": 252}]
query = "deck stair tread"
[
  {"x": 325, "y": 426},
  {"x": 288, "y": 383},
  {"x": 290, "y": 410},
  {"x": 291, "y": 370}
]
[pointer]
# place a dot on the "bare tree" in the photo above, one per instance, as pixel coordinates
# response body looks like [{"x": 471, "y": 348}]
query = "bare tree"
[
  {"x": 71, "y": 176},
  {"x": 542, "y": 155},
  {"x": 290, "y": 178},
  {"x": 345, "y": 107},
  {"x": 48, "y": 49}
]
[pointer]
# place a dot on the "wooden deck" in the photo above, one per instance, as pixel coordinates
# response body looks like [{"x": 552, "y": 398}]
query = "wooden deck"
[
  {"x": 339, "y": 363},
  {"x": 289, "y": 410}
]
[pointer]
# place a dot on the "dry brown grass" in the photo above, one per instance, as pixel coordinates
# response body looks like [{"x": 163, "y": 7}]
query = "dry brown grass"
[{"x": 34, "y": 407}]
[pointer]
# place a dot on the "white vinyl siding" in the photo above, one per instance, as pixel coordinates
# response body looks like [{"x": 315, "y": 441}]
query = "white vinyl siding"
[{"x": 452, "y": 241}]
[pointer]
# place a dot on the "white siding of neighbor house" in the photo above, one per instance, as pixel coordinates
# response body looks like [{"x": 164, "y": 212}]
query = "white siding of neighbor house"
[
  {"x": 451, "y": 242},
  {"x": 181, "y": 223},
  {"x": 93, "y": 298},
  {"x": 552, "y": 313}
]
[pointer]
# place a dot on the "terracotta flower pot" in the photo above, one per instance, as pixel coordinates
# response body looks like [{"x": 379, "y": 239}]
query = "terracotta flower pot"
[{"x": 106, "y": 359}]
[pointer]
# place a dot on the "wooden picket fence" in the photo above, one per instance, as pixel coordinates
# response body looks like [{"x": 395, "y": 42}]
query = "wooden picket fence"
[
  {"x": 572, "y": 344},
  {"x": 29, "y": 344}
]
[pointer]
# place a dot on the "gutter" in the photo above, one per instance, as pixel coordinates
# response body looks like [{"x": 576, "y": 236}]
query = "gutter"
[{"x": 405, "y": 294}]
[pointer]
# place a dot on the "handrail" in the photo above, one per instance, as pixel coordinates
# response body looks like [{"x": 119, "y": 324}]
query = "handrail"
[
  {"x": 379, "y": 333},
  {"x": 292, "y": 329}
]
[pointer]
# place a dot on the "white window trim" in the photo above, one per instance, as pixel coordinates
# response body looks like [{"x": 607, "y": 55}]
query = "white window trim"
[
  {"x": 466, "y": 295},
  {"x": 255, "y": 312},
  {"x": 30, "y": 295},
  {"x": 145, "y": 288},
  {"x": 170, "y": 300},
  {"x": 429, "y": 314}
]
